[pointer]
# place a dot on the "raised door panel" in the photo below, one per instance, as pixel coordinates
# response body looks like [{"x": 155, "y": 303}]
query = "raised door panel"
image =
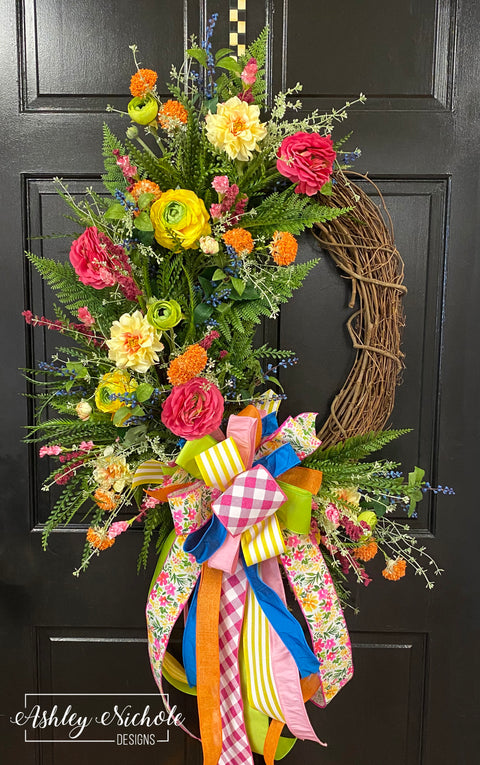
[
  {"x": 399, "y": 54},
  {"x": 75, "y": 56}
]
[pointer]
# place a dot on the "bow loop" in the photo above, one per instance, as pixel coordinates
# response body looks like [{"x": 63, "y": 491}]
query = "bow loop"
[
  {"x": 190, "y": 507},
  {"x": 253, "y": 496}
]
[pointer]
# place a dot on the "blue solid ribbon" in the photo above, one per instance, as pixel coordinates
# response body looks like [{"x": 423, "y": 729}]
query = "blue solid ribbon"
[
  {"x": 201, "y": 543},
  {"x": 189, "y": 642},
  {"x": 280, "y": 460},
  {"x": 206, "y": 540},
  {"x": 283, "y": 622},
  {"x": 269, "y": 424}
]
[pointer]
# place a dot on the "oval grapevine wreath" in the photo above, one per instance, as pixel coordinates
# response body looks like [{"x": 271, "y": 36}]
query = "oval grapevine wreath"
[{"x": 160, "y": 410}]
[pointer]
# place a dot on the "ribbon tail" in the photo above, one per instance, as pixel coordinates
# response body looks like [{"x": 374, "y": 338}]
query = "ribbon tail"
[
  {"x": 208, "y": 664},
  {"x": 283, "y": 622},
  {"x": 309, "y": 687},
  {"x": 289, "y": 688},
  {"x": 159, "y": 622},
  {"x": 271, "y": 741},
  {"x": 236, "y": 746},
  {"x": 325, "y": 617}
]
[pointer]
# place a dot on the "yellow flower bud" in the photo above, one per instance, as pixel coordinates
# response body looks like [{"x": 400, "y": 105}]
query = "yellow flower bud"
[{"x": 143, "y": 110}]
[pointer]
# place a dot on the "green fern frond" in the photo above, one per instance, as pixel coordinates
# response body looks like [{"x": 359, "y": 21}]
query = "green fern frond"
[
  {"x": 224, "y": 328},
  {"x": 67, "y": 432},
  {"x": 287, "y": 211},
  {"x": 63, "y": 280},
  {"x": 190, "y": 159},
  {"x": 341, "y": 141},
  {"x": 156, "y": 520},
  {"x": 266, "y": 352},
  {"x": 113, "y": 177},
  {"x": 74, "y": 495},
  {"x": 291, "y": 278},
  {"x": 355, "y": 448},
  {"x": 157, "y": 169}
]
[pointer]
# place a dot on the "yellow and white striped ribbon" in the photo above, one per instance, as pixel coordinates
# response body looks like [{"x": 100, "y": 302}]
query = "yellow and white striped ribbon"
[
  {"x": 151, "y": 471},
  {"x": 220, "y": 464},
  {"x": 262, "y": 541},
  {"x": 268, "y": 402},
  {"x": 261, "y": 688}
]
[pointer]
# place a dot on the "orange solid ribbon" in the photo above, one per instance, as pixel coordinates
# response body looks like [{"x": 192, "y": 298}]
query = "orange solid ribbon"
[
  {"x": 304, "y": 478},
  {"x": 163, "y": 491},
  {"x": 208, "y": 664},
  {"x": 310, "y": 686}
]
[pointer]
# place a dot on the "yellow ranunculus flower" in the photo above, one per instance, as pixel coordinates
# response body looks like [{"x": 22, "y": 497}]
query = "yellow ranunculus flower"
[
  {"x": 179, "y": 218},
  {"x": 116, "y": 382},
  {"x": 236, "y": 128}
]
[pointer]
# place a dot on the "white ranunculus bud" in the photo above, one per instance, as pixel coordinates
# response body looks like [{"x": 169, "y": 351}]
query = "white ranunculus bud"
[
  {"x": 209, "y": 245},
  {"x": 83, "y": 409}
]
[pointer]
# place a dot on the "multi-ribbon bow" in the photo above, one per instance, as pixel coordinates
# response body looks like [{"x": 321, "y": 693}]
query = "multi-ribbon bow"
[{"x": 240, "y": 504}]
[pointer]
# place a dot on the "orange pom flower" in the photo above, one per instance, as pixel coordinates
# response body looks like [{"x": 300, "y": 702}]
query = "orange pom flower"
[
  {"x": 144, "y": 187},
  {"x": 240, "y": 239},
  {"x": 98, "y": 538},
  {"x": 366, "y": 552},
  {"x": 142, "y": 82},
  {"x": 106, "y": 500},
  {"x": 188, "y": 365},
  {"x": 170, "y": 112},
  {"x": 283, "y": 248},
  {"x": 394, "y": 569}
]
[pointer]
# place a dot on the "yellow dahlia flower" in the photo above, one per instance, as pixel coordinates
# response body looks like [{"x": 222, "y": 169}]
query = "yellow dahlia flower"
[
  {"x": 236, "y": 128},
  {"x": 179, "y": 218},
  {"x": 116, "y": 382},
  {"x": 133, "y": 342}
]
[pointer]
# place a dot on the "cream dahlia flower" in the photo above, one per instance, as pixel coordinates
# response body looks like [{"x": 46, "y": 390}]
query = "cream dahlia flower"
[
  {"x": 350, "y": 495},
  {"x": 133, "y": 342},
  {"x": 236, "y": 128},
  {"x": 112, "y": 472}
]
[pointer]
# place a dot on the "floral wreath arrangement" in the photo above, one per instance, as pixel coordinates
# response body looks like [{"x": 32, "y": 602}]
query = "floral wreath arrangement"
[{"x": 161, "y": 400}]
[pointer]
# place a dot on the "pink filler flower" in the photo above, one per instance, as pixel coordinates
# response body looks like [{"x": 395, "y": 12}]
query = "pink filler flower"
[{"x": 249, "y": 73}]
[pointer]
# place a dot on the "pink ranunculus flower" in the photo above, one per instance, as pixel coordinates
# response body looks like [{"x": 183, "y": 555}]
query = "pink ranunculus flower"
[
  {"x": 99, "y": 263},
  {"x": 95, "y": 258},
  {"x": 249, "y": 73},
  {"x": 307, "y": 160},
  {"x": 193, "y": 409}
]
